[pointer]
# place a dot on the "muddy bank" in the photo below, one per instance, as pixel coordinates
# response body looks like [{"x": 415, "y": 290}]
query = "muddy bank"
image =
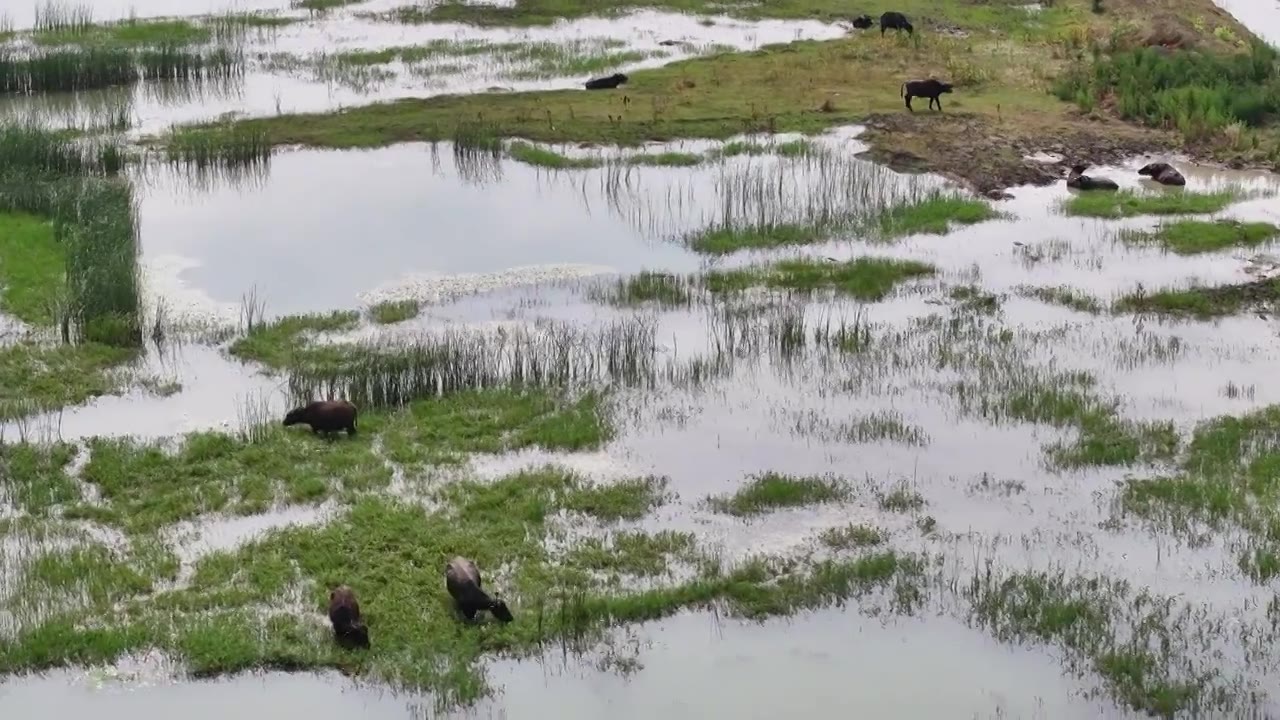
[{"x": 990, "y": 154}]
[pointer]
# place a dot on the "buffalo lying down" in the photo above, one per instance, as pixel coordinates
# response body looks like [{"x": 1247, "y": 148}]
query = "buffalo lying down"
[
  {"x": 1078, "y": 180},
  {"x": 1163, "y": 173},
  {"x": 324, "y": 416},
  {"x": 895, "y": 21},
  {"x": 930, "y": 88},
  {"x": 862, "y": 22},
  {"x": 607, "y": 83},
  {"x": 344, "y": 612},
  {"x": 462, "y": 578}
]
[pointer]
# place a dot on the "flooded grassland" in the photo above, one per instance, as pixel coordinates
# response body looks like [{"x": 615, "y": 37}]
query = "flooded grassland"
[{"x": 710, "y": 395}]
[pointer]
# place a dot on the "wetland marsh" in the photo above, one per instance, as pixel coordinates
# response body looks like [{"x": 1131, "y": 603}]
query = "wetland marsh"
[{"x": 744, "y": 393}]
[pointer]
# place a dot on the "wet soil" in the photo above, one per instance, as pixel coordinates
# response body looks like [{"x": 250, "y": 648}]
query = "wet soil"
[{"x": 990, "y": 154}]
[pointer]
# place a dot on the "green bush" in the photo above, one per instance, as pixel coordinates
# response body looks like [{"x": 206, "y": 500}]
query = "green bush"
[{"x": 1194, "y": 92}]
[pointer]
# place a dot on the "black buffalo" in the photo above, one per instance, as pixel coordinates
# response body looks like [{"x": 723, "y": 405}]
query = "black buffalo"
[
  {"x": 607, "y": 83},
  {"x": 895, "y": 21},
  {"x": 930, "y": 88},
  {"x": 862, "y": 22},
  {"x": 344, "y": 612},
  {"x": 324, "y": 416},
  {"x": 1163, "y": 173},
  {"x": 462, "y": 578},
  {"x": 1078, "y": 180}
]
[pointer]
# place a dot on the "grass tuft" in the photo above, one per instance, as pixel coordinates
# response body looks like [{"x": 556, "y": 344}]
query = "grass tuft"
[
  {"x": 771, "y": 490},
  {"x": 1188, "y": 237},
  {"x": 1127, "y": 203}
]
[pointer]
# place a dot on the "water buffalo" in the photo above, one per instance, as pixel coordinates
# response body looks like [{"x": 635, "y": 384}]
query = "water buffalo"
[
  {"x": 462, "y": 578},
  {"x": 862, "y": 22},
  {"x": 1163, "y": 173},
  {"x": 344, "y": 612},
  {"x": 895, "y": 21},
  {"x": 324, "y": 416},
  {"x": 1078, "y": 180},
  {"x": 930, "y": 88},
  {"x": 607, "y": 83}
]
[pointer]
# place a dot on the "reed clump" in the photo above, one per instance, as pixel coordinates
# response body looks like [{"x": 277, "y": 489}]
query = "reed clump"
[
  {"x": 76, "y": 185},
  {"x": 1196, "y": 93}
]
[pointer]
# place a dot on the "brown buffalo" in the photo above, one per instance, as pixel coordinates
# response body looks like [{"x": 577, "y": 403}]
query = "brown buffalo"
[
  {"x": 344, "y": 612},
  {"x": 324, "y": 416},
  {"x": 462, "y": 578}
]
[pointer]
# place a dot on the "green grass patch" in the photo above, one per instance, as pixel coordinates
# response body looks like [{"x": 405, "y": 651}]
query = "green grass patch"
[
  {"x": 634, "y": 553},
  {"x": 1197, "y": 92},
  {"x": 36, "y": 378},
  {"x": 322, "y": 5},
  {"x": 1203, "y": 302},
  {"x": 865, "y": 278},
  {"x": 934, "y": 215},
  {"x": 770, "y": 491},
  {"x": 790, "y": 148},
  {"x": 394, "y": 311},
  {"x": 148, "y": 485},
  {"x": 662, "y": 289},
  {"x": 1226, "y": 474},
  {"x": 281, "y": 342},
  {"x": 443, "y": 430},
  {"x": 1128, "y": 203},
  {"x": 393, "y": 553},
  {"x": 1070, "y": 400},
  {"x": 128, "y": 33},
  {"x": 666, "y": 159},
  {"x": 729, "y": 239},
  {"x": 542, "y": 157},
  {"x": 34, "y": 477},
  {"x": 1134, "y": 641},
  {"x": 32, "y": 269},
  {"x": 1188, "y": 237}
]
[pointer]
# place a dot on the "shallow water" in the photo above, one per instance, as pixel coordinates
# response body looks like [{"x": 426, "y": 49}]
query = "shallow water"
[
  {"x": 692, "y": 667},
  {"x": 518, "y": 245},
  {"x": 272, "y": 87}
]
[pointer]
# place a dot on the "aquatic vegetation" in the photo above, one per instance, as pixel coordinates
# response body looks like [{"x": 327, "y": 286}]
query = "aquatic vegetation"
[
  {"x": 36, "y": 378},
  {"x": 390, "y": 312},
  {"x": 1187, "y": 237},
  {"x": 127, "y": 32},
  {"x": 95, "y": 228},
  {"x": 1065, "y": 296},
  {"x": 770, "y": 491},
  {"x": 1202, "y": 301},
  {"x": 934, "y": 214},
  {"x": 865, "y": 278},
  {"x": 1127, "y": 203}
]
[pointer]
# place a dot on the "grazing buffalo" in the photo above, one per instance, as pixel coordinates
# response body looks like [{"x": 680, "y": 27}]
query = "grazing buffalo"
[
  {"x": 895, "y": 21},
  {"x": 1163, "y": 173},
  {"x": 324, "y": 416},
  {"x": 862, "y": 22},
  {"x": 344, "y": 612},
  {"x": 1078, "y": 180},
  {"x": 462, "y": 578},
  {"x": 930, "y": 88},
  {"x": 607, "y": 83}
]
